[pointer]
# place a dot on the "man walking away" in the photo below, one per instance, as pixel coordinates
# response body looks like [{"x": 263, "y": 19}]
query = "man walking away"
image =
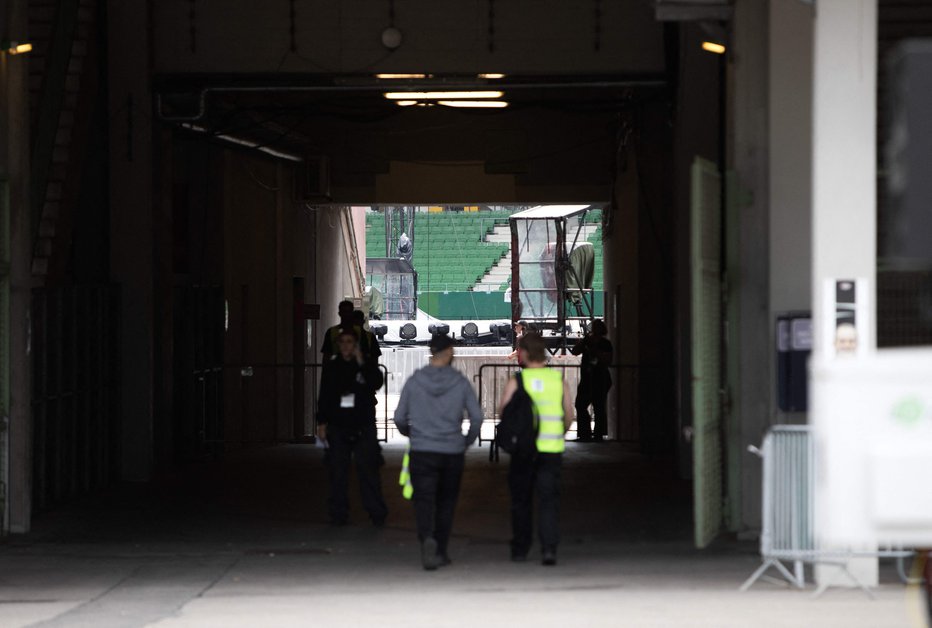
[
  {"x": 539, "y": 471},
  {"x": 346, "y": 419},
  {"x": 430, "y": 413}
]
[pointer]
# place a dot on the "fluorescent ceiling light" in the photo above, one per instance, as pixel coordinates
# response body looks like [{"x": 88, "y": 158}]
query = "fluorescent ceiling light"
[
  {"x": 493, "y": 75},
  {"x": 16, "y": 49},
  {"x": 486, "y": 104},
  {"x": 400, "y": 76},
  {"x": 405, "y": 103},
  {"x": 711, "y": 46},
  {"x": 441, "y": 95}
]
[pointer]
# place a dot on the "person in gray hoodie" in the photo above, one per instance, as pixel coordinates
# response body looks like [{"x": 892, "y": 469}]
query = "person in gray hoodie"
[{"x": 430, "y": 413}]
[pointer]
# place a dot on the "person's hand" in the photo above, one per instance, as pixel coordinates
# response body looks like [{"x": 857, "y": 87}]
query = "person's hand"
[{"x": 322, "y": 432}]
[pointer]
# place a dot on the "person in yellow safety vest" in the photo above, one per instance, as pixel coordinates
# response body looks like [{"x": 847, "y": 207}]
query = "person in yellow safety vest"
[{"x": 538, "y": 472}]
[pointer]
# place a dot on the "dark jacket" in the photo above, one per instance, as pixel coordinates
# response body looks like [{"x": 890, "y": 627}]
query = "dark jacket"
[{"x": 341, "y": 378}]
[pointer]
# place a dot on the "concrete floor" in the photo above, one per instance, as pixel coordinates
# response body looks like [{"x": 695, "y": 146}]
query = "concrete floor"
[{"x": 245, "y": 543}]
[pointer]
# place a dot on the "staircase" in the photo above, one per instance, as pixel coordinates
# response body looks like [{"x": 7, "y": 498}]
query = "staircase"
[
  {"x": 498, "y": 276},
  {"x": 61, "y": 97}
]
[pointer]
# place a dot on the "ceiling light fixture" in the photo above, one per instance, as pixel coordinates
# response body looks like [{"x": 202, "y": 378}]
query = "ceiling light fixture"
[
  {"x": 711, "y": 46},
  {"x": 493, "y": 75},
  {"x": 405, "y": 103},
  {"x": 16, "y": 48},
  {"x": 398, "y": 76},
  {"x": 478, "y": 104},
  {"x": 442, "y": 95}
]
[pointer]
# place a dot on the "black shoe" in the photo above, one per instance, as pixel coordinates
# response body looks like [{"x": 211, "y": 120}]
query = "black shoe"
[
  {"x": 338, "y": 522},
  {"x": 584, "y": 439},
  {"x": 549, "y": 556},
  {"x": 429, "y": 558},
  {"x": 378, "y": 522},
  {"x": 518, "y": 557},
  {"x": 599, "y": 439},
  {"x": 443, "y": 560}
]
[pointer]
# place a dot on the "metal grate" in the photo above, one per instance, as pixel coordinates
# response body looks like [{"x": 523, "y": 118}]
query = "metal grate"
[{"x": 75, "y": 339}]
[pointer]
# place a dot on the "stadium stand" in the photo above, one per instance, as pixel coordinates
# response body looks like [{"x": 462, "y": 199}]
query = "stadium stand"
[{"x": 450, "y": 254}]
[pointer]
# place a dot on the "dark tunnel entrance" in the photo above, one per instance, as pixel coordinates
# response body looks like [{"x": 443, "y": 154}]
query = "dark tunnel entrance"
[{"x": 255, "y": 252}]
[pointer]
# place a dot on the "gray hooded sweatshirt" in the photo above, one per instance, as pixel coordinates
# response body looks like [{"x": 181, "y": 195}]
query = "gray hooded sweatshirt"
[{"x": 430, "y": 411}]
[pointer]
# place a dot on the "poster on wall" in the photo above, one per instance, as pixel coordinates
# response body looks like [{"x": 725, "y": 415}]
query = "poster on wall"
[{"x": 846, "y": 319}]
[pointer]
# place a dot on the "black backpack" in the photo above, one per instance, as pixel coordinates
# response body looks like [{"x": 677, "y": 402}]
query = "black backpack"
[{"x": 516, "y": 431}]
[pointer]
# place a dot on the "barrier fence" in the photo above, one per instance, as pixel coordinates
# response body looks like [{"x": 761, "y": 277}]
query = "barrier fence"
[
  {"x": 623, "y": 397},
  {"x": 244, "y": 404},
  {"x": 788, "y": 526}
]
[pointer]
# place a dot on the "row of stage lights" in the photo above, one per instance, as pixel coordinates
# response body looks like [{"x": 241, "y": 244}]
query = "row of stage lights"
[{"x": 469, "y": 332}]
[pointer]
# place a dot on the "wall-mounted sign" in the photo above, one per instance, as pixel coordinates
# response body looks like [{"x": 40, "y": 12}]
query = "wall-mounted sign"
[{"x": 846, "y": 318}]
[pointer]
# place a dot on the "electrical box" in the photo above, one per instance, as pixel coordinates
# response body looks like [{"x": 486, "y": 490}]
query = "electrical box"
[{"x": 794, "y": 345}]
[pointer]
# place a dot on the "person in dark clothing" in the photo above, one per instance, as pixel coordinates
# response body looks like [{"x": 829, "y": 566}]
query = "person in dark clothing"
[
  {"x": 430, "y": 413},
  {"x": 346, "y": 420},
  {"x": 345, "y": 311},
  {"x": 371, "y": 344},
  {"x": 594, "y": 382}
]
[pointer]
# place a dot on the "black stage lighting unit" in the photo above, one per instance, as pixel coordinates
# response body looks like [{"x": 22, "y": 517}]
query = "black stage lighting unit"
[
  {"x": 379, "y": 331},
  {"x": 438, "y": 328},
  {"x": 501, "y": 331},
  {"x": 408, "y": 332},
  {"x": 470, "y": 332}
]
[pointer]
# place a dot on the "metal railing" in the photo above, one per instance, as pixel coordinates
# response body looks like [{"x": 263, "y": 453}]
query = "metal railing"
[
  {"x": 239, "y": 403},
  {"x": 788, "y": 530},
  {"x": 493, "y": 377}
]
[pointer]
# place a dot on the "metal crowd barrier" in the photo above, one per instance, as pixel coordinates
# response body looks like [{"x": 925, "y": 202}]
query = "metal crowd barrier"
[
  {"x": 788, "y": 526},
  {"x": 209, "y": 400}
]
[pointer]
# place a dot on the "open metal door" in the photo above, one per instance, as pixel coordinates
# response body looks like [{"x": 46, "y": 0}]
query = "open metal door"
[
  {"x": 705, "y": 258},
  {"x": 5, "y": 260}
]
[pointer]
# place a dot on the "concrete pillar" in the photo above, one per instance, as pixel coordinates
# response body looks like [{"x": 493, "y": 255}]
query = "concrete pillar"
[
  {"x": 844, "y": 170},
  {"x": 749, "y": 366},
  {"x": 14, "y": 166},
  {"x": 131, "y": 226},
  {"x": 790, "y": 130}
]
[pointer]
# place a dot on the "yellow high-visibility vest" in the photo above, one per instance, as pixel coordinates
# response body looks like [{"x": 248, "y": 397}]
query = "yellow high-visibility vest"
[
  {"x": 404, "y": 478},
  {"x": 545, "y": 388}
]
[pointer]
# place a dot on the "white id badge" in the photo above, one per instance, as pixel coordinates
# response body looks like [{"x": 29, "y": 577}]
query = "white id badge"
[{"x": 348, "y": 401}]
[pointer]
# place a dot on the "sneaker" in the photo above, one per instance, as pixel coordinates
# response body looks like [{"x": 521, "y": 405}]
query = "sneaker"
[
  {"x": 549, "y": 556},
  {"x": 429, "y": 558}
]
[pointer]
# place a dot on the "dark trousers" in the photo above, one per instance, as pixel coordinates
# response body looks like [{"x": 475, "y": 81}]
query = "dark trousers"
[
  {"x": 363, "y": 445},
  {"x": 593, "y": 390},
  {"x": 436, "y": 481},
  {"x": 525, "y": 476}
]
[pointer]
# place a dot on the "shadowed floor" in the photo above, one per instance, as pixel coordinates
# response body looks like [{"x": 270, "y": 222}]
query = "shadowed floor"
[{"x": 244, "y": 542}]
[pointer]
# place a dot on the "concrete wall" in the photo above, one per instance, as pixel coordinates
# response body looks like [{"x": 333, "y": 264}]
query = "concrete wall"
[
  {"x": 434, "y": 155},
  {"x": 790, "y": 134},
  {"x": 750, "y": 366},
  {"x": 132, "y": 228},
  {"x": 14, "y": 167},
  {"x": 439, "y": 36},
  {"x": 696, "y": 133}
]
